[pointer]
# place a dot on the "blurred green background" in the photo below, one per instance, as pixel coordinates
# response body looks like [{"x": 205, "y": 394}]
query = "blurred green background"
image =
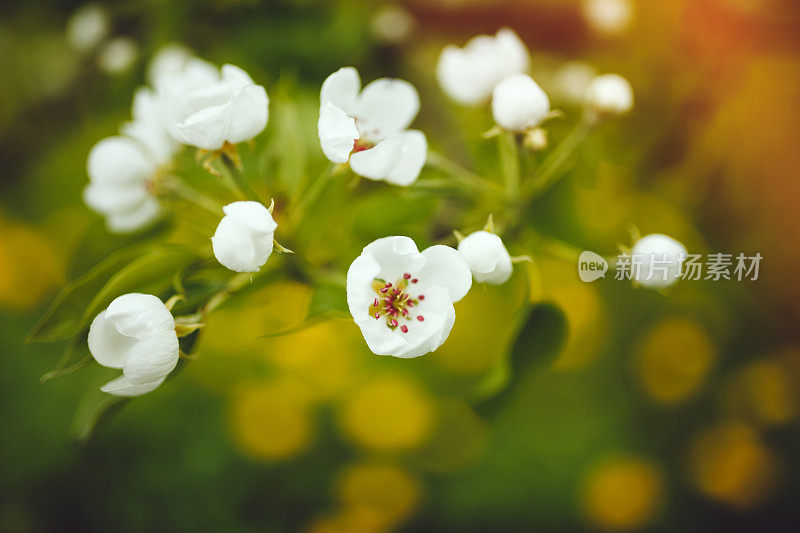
[{"x": 623, "y": 409}]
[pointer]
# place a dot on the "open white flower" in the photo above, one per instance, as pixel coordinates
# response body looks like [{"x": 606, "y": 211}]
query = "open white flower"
[
  {"x": 369, "y": 127},
  {"x": 468, "y": 75},
  {"x": 206, "y": 108},
  {"x": 487, "y": 257},
  {"x": 244, "y": 237},
  {"x": 656, "y": 261},
  {"x": 518, "y": 103},
  {"x": 610, "y": 94},
  {"x": 120, "y": 173},
  {"x": 403, "y": 299},
  {"x": 135, "y": 333}
]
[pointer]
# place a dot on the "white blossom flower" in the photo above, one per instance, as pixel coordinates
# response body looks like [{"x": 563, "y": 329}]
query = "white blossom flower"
[
  {"x": 403, "y": 299},
  {"x": 118, "y": 55},
  {"x": 469, "y": 74},
  {"x": 120, "y": 174},
  {"x": 608, "y": 16},
  {"x": 244, "y": 237},
  {"x": 135, "y": 333},
  {"x": 656, "y": 261},
  {"x": 518, "y": 103},
  {"x": 610, "y": 94},
  {"x": 147, "y": 126},
  {"x": 369, "y": 127},
  {"x": 87, "y": 26},
  {"x": 206, "y": 108},
  {"x": 487, "y": 257}
]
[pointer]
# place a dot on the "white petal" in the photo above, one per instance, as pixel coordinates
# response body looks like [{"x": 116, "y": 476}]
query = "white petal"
[
  {"x": 208, "y": 127},
  {"x": 253, "y": 215},
  {"x": 341, "y": 89},
  {"x": 396, "y": 255},
  {"x": 118, "y": 160},
  {"x": 114, "y": 198},
  {"x": 377, "y": 162},
  {"x": 337, "y": 133},
  {"x": 122, "y": 387},
  {"x": 445, "y": 267},
  {"x": 152, "y": 359},
  {"x": 139, "y": 218},
  {"x": 139, "y": 315},
  {"x": 360, "y": 293},
  {"x": 249, "y": 114},
  {"x": 107, "y": 345},
  {"x": 412, "y": 158},
  {"x": 235, "y": 76},
  {"x": 147, "y": 126},
  {"x": 386, "y": 106},
  {"x": 168, "y": 60},
  {"x": 239, "y": 248}
]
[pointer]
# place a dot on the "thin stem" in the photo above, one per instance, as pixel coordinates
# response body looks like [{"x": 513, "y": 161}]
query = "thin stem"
[
  {"x": 239, "y": 181},
  {"x": 552, "y": 168},
  {"x": 312, "y": 193},
  {"x": 192, "y": 195},
  {"x": 464, "y": 176},
  {"x": 509, "y": 163}
]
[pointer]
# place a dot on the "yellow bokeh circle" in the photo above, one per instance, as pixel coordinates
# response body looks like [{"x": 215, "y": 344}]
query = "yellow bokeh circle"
[{"x": 386, "y": 489}]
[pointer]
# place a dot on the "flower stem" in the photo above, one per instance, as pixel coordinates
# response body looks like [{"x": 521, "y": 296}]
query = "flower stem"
[
  {"x": 193, "y": 196},
  {"x": 552, "y": 168},
  {"x": 462, "y": 175},
  {"x": 509, "y": 163},
  {"x": 238, "y": 180},
  {"x": 312, "y": 193}
]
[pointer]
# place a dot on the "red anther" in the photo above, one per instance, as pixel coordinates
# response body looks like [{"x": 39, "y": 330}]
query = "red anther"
[
  {"x": 405, "y": 312},
  {"x": 377, "y": 316},
  {"x": 404, "y": 329},
  {"x": 420, "y": 318},
  {"x": 375, "y": 303},
  {"x": 407, "y": 276},
  {"x": 385, "y": 290},
  {"x": 388, "y": 284},
  {"x": 421, "y": 297},
  {"x": 396, "y": 292},
  {"x": 414, "y": 280},
  {"x": 394, "y": 322}
]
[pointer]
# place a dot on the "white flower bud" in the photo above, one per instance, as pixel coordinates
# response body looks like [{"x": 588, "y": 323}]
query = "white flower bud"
[
  {"x": 118, "y": 55},
  {"x": 244, "y": 237},
  {"x": 136, "y": 333},
  {"x": 656, "y": 261},
  {"x": 610, "y": 94},
  {"x": 518, "y": 103},
  {"x": 487, "y": 257},
  {"x": 608, "y": 17},
  {"x": 87, "y": 27}
]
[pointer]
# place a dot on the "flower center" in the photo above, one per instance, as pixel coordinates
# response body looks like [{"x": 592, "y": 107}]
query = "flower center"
[
  {"x": 395, "y": 304},
  {"x": 359, "y": 145}
]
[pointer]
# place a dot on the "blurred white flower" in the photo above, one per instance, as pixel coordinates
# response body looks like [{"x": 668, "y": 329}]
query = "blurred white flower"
[
  {"x": 147, "y": 126},
  {"x": 518, "y": 103},
  {"x": 610, "y": 94},
  {"x": 206, "y": 108},
  {"x": 487, "y": 257},
  {"x": 656, "y": 261},
  {"x": 118, "y": 55},
  {"x": 170, "y": 59},
  {"x": 136, "y": 333},
  {"x": 120, "y": 175},
  {"x": 468, "y": 75},
  {"x": 244, "y": 237},
  {"x": 571, "y": 81},
  {"x": 608, "y": 17},
  {"x": 392, "y": 24},
  {"x": 369, "y": 127},
  {"x": 87, "y": 26},
  {"x": 403, "y": 299}
]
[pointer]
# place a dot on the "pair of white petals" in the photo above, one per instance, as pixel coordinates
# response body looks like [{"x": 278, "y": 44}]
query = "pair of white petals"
[
  {"x": 369, "y": 127},
  {"x": 136, "y": 333}
]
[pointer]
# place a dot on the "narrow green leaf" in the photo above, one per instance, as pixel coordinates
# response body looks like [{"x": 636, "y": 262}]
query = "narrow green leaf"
[
  {"x": 76, "y": 356},
  {"x": 94, "y": 409},
  {"x": 61, "y": 320}
]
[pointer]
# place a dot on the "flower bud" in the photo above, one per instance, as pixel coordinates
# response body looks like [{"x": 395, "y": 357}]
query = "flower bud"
[
  {"x": 244, "y": 237},
  {"x": 610, "y": 94},
  {"x": 487, "y": 257},
  {"x": 518, "y": 103},
  {"x": 135, "y": 333},
  {"x": 656, "y": 261}
]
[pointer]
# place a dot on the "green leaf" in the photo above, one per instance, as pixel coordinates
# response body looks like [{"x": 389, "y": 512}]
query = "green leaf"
[
  {"x": 95, "y": 408},
  {"x": 329, "y": 298},
  {"x": 62, "y": 319},
  {"x": 541, "y": 337},
  {"x": 75, "y": 356}
]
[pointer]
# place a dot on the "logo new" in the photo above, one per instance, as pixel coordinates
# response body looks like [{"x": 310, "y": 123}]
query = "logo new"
[{"x": 591, "y": 266}]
